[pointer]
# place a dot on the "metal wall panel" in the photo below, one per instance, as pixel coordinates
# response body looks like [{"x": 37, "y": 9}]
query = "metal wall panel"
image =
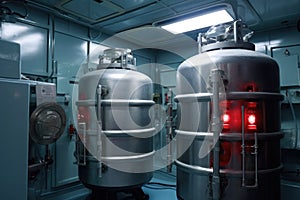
[
  {"x": 10, "y": 60},
  {"x": 34, "y": 46},
  {"x": 288, "y": 58},
  {"x": 71, "y": 28},
  {"x": 14, "y": 122},
  {"x": 70, "y": 52}
]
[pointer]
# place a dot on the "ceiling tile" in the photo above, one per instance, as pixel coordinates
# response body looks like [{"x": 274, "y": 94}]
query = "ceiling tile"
[
  {"x": 132, "y": 3},
  {"x": 172, "y": 2},
  {"x": 275, "y": 9},
  {"x": 140, "y": 20},
  {"x": 137, "y": 13},
  {"x": 92, "y": 10}
]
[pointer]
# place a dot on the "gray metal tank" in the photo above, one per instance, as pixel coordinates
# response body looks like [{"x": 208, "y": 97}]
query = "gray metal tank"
[
  {"x": 115, "y": 143},
  {"x": 228, "y": 135}
]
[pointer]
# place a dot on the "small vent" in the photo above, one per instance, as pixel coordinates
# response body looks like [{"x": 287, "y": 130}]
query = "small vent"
[{"x": 98, "y": 1}]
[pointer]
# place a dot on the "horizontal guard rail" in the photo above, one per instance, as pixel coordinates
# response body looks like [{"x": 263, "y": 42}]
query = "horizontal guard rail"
[
  {"x": 232, "y": 136},
  {"x": 237, "y": 173},
  {"x": 116, "y": 102},
  {"x": 205, "y": 97}
]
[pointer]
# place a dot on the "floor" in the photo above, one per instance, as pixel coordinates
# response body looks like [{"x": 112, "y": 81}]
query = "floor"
[{"x": 161, "y": 186}]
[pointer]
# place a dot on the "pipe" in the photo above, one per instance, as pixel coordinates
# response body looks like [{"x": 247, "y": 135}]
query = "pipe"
[
  {"x": 169, "y": 134},
  {"x": 216, "y": 129},
  {"x": 99, "y": 134},
  {"x": 82, "y": 129},
  {"x": 294, "y": 117},
  {"x": 243, "y": 145},
  {"x": 40, "y": 165},
  {"x": 237, "y": 31}
]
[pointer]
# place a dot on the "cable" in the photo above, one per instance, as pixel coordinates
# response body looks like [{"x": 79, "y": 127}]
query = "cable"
[
  {"x": 162, "y": 184},
  {"x": 6, "y": 10},
  {"x": 165, "y": 186}
]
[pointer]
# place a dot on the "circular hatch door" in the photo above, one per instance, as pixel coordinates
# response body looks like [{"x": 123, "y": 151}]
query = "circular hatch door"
[{"x": 47, "y": 123}]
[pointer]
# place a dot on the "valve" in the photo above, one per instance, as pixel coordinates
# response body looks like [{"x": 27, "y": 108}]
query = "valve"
[{"x": 71, "y": 131}]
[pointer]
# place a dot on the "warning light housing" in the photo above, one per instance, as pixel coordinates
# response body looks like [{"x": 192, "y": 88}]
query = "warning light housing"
[
  {"x": 250, "y": 116},
  {"x": 226, "y": 120}
]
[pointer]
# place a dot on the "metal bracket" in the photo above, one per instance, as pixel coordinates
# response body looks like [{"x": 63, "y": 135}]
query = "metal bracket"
[
  {"x": 81, "y": 129},
  {"x": 255, "y": 153},
  {"x": 216, "y": 78}
]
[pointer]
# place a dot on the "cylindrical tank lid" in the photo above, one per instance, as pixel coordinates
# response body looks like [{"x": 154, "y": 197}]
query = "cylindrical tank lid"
[
  {"x": 232, "y": 35},
  {"x": 117, "y": 58}
]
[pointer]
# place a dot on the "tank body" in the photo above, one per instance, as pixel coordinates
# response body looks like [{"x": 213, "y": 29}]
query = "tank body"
[
  {"x": 249, "y": 158},
  {"x": 115, "y": 150}
]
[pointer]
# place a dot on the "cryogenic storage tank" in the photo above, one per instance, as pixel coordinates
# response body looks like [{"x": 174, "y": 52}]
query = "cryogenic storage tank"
[
  {"x": 115, "y": 147},
  {"x": 228, "y": 135}
]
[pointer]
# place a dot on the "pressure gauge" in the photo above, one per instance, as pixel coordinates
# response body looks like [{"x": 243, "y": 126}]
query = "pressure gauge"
[{"x": 47, "y": 123}]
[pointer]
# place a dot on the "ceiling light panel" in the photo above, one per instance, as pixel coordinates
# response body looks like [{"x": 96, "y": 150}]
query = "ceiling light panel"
[{"x": 198, "y": 22}]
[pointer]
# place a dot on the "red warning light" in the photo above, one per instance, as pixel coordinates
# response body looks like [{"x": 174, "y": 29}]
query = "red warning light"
[
  {"x": 251, "y": 119},
  {"x": 251, "y": 122},
  {"x": 226, "y": 118},
  {"x": 83, "y": 114}
]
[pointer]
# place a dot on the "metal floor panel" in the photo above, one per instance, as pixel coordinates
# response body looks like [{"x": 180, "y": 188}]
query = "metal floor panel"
[
  {"x": 154, "y": 190},
  {"x": 289, "y": 190},
  {"x": 158, "y": 192}
]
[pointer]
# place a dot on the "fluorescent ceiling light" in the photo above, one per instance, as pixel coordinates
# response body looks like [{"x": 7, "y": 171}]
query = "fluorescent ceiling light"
[{"x": 198, "y": 22}]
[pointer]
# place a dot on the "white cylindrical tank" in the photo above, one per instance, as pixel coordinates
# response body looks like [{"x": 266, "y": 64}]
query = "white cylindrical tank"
[
  {"x": 115, "y": 146},
  {"x": 248, "y": 152}
]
